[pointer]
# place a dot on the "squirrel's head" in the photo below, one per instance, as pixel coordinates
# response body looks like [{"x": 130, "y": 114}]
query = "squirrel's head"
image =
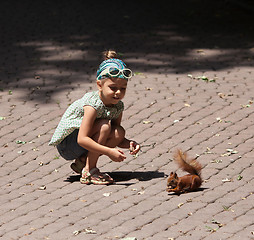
[{"x": 172, "y": 180}]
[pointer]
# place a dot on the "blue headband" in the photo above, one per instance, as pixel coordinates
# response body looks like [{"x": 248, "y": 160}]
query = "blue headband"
[{"x": 112, "y": 62}]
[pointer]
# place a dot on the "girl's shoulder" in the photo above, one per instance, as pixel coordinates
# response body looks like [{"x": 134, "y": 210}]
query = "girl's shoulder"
[{"x": 92, "y": 99}]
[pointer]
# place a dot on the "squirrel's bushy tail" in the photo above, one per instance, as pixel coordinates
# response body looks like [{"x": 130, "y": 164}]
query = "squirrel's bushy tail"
[{"x": 189, "y": 165}]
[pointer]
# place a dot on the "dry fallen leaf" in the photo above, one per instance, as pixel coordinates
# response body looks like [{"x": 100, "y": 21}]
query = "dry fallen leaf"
[
  {"x": 29, "y": 184},
  {"x": 221, "y": 95},
  {"x": 226, "y": 180},
  {"x": 141, "y": 192},
  {"x": 90, "y": 231},
  {"x": 76, "y": 232},
  {"x": 107, "y": 194},
  {"x": 152, "y": 103},
  {"x": 231, "y": 151},
  {"x": 225, "y": 154},
  {"x": 146, "y": 122},
  {"x": 180, "y": 204},
  {"x": 218, "y": 119},
  {"x": 216, "y": 161}
]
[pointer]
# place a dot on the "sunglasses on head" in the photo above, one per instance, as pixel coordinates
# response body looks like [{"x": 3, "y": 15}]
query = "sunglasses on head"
[{"x": 114, "y": 72}]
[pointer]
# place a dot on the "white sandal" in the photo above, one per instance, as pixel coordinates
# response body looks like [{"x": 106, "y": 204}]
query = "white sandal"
[{"x": 95, "y": 177}]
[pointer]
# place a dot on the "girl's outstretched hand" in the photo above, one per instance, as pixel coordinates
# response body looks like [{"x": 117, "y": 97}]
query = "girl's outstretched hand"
[
  {"x": 134, "y": 148},
  {"x": 116, "y": 155}
]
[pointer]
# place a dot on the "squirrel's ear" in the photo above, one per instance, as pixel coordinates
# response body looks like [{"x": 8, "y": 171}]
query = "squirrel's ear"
[
  {"x": 175, "y": 175},
  {"x": 171, "y": 174}
]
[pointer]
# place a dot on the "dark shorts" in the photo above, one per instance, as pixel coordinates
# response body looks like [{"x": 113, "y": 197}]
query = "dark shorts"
[{"x": 69, "y": 148}]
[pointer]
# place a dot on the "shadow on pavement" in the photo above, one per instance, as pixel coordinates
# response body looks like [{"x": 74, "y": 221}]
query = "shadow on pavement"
[
  {"x": 178, "y": 194},
  {"x": 123, "y": 176},
  {"x": 61, "y": 41},
  {"x": 141, "y": 176}
]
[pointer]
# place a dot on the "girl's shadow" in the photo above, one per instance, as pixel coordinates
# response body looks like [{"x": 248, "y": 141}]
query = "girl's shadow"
[
  {"x": 125, "y": 176},
  {"x": 122, "y": 176}
]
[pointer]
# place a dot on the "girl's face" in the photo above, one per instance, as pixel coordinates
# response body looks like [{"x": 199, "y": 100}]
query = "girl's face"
[{"x": 112, "y": 90}]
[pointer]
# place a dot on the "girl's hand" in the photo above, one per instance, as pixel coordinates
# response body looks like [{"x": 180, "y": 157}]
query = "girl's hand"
[
  {"x": 116, "y": 155},
  {"x": 134, "y": 148}
]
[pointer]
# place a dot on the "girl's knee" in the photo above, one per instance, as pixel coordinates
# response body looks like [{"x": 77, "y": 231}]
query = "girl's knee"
[
  {"x": 104, "y": 126},
  {"x": 119, "y": 132}
]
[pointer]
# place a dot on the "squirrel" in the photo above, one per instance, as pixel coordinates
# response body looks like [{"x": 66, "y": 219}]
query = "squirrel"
[{"x": 186, "y": 183}]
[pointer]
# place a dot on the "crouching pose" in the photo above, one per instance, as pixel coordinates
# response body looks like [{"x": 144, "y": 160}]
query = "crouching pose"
[{"x": 91, "y": 126}]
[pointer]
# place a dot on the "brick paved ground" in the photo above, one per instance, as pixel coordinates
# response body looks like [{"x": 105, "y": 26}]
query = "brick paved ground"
[{"x": 193, "y": 89}]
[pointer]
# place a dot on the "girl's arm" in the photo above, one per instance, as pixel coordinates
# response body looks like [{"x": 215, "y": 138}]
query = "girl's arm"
[{"x": 86, "y": 131}]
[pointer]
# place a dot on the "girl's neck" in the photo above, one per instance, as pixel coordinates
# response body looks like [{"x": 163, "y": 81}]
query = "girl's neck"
[{"x": 103, "y": 100}]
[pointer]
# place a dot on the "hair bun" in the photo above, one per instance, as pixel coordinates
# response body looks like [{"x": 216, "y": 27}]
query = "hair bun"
[{"x": 109, "y": 54}]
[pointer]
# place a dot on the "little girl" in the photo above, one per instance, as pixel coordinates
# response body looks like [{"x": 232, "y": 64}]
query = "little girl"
[{"x": 91, "y": 126}]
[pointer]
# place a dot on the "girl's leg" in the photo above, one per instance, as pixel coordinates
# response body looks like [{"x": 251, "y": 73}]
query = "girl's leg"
[
  {"x": 81, "y": 159},
  {"x": 106, "y": 134},
  {"x": 79, "y": 163},
  {"x": 117, "y": 135},
  {"x": 102, "y": 129}
]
